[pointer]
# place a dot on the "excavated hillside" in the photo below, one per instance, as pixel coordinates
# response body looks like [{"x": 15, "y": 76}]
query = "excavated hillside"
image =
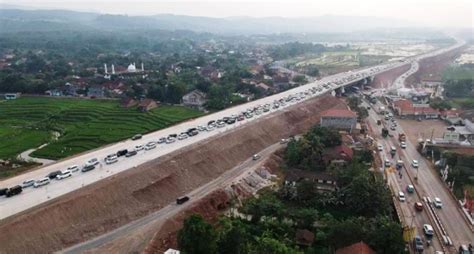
[
  {"x": 122, "y": 198},
  {"x": 386, "y": 78}
]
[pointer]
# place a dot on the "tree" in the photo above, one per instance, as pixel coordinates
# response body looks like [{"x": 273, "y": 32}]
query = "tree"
[
  {"x": 353, "y": 102},
  {"x": 300, "y": 79},
  {"x": 362, "y": 112},
  {"x": 269, "y": 245},
  {"x": 233, "y": 238},
  {"x": 197, "y": 236}
]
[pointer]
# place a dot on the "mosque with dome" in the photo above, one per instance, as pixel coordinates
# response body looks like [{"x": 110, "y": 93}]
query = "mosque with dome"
[{"x": 131, "y": 70}]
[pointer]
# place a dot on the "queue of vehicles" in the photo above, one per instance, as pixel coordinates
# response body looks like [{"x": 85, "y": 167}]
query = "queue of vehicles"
[{"x": 212, "y": 125}]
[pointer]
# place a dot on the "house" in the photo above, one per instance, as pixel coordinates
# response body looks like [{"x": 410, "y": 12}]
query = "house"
[
  {"x": 324, "y": 181},
  {"x": 466, "y": 132},
  {"x": 406, "y": 108},
  {"x": 54, "y": 92},
  {"x": 356, "y": 248},
  {"x": 12, "y": 96},
  {"x": 147, "y": 105},
  {"x": 96, "y": 92},
  {"x": 340, "y": 119},
  {"x": 172, "y": 251},
  {"x": 304, "y": 237},
  {"x": 263, "y": 86},
  {"x": 339, "y": 155},
  {"x": 128, "y": 102},
  {"x": 194, "y": 99}
]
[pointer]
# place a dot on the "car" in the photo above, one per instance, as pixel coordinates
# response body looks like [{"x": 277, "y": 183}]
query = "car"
[
  {"x": 418, "y": 244},
  {"x": 139, "y": 147},
  {"x": 161, "y": 140},
  {"x": 170, "y": 140},
  {"x": 256, "y": 157},
  {"x": 428, "y": 230},
  {"x": 220, "y": 124},
  {"x": 380, "y": 147},
  {"x": 150, "y": 145},
  {"x": 111, "y": 158},
  {"x": 210, "y": 127},
  {"x": 414, "y": 163},
  {"x": 131, "y": 153},
  {"x": 88, "y": 167},
  {"x": 64, "y": 174},
  {"x": 393, "y": 128},
  {"x": 284, "y": 141},
  {"x": 403, "y": 145},
  {"x": 122, "y": 152},
  {"x": 419, "y": 206},
  {"x": 53, "y": 174},
  {"x": 182, "y": 136},
  {"x": 182, "y": 200},
  {"x": 28, "y": 183},
  {"x": 93, "y": 161},
  {"x": 387, "y": 163},
  {"x": 42, "y": 182},
  {"x": 137, "y": 137},
  {"x": 201, "y": 128},
  {"x": 437, "y": 202},
  {"x": 410, "y": 188},
  {"x": 15, "y": 190},
  {"x": 73, "y": 168},
  {"x": 3, "y": 191},
  {"x": 401, "y": 196}
]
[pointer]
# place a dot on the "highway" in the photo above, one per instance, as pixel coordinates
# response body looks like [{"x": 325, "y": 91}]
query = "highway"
[
  {"x": 157, "y": 218},
  {"x": 31, "y": 197},
  {"x": 428, "y": 184}
]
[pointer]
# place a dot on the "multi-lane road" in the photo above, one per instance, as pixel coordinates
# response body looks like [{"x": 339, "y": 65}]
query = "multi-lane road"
[
  {"x": 428, "y": 184},
  {"x": 32, "y": 197}
]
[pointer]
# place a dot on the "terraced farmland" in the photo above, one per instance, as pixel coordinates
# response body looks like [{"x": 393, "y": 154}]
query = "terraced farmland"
[{"x": 83, "y": 124}]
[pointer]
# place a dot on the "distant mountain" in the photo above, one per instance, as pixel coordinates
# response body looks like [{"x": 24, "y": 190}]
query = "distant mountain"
[{"x": 12, "y": 20}]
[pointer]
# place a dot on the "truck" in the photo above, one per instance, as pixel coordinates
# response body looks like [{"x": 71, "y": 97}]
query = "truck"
[
  {"x": 13, "y": 191},
  {"x": 402, "y": 137}
]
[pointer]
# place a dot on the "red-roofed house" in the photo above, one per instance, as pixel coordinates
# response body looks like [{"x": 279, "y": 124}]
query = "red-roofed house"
[
  {"x": 356, "y": 248},
  {"x": 341, "y": 119},
  {"x": 408, "y": 109},
  {"x": 339, "y": 154},
  {"x": 147, "y": 105}
]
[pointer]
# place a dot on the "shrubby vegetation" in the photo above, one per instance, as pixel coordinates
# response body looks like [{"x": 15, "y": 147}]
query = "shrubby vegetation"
[{"x": 359, "y": 210}]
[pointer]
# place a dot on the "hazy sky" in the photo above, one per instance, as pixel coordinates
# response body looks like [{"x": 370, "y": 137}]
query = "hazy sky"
[{"x": 427, "y": 12}]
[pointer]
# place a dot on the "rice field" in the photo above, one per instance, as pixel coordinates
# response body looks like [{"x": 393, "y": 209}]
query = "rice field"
[{"x": 82, "y": 124}]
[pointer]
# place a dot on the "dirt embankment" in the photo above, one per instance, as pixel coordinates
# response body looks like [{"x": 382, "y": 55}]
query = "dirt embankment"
[
  {"x": 209, "y": 208},
  {"x": 432, "y": 68},
  {"x": 120, "y": 199},
  {"x": 385, "y": 79}
]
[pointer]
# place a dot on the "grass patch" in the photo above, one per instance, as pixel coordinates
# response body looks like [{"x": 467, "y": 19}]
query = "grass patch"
[{"x": 84, "y": 124}]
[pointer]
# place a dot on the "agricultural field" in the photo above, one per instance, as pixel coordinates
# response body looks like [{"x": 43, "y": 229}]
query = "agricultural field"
[{"x": 81, "y": 124}]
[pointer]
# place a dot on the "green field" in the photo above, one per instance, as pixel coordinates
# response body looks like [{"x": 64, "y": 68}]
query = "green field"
[{"x": 83, "y": 124}]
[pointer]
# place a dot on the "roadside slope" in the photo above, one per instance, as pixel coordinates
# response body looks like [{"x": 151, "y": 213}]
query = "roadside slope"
[{"x": 120, "y": 199}]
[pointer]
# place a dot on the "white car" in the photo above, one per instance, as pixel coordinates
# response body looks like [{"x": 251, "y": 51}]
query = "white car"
[
  {"x": 41, "y": 182},
  {"x": 93, "y": 161},
  {"x": 139, "y": 147},
  {"x": 401, "y": 196},
  {"x": 437, "y": 202},
  {"x": 414, "y": 163},
  {"x": 64, "y": 174},
  {"x": 380, "y": 147},
  {"x": 182, "y": 136},
  {"x": 170, "y": 140},
  {"x": 210, "y": 127},
  {"x": 73, "y": 168},
  {"x": 150, "y": 145},
  {"x": 111, "y": 158},
  {"x": 387, "y": 163},
  {"x": 428, "y": 230},
  {"x": 28, "y": 183},
  {"x": 403, "y": 145}
]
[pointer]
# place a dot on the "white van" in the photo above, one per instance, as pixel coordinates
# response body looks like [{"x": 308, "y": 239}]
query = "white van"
[{"x": 41, "y": 182}]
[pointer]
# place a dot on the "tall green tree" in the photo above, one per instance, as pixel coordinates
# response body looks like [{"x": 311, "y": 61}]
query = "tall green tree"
[{"x": 197, "y": 236}]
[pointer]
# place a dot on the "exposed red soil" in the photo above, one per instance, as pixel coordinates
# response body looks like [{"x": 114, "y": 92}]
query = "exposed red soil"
[
  {"x": 432, "y": 68},
  {"x": 120, "y": 199},
  {"x": 209, "y": 208},
  {"x": 386, "y": 78}
]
